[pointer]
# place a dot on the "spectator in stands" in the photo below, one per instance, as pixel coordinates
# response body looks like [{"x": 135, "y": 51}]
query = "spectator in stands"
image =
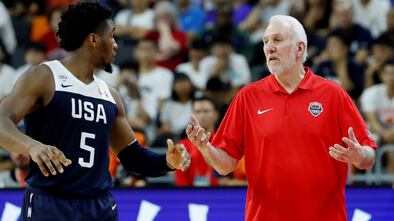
[
  {"x": 381, "y": 51},
  {"x": 50, "y": 39},
  {"x": 175, "y": 112},
  {"x": 127, "y": 84},
  {"x": 135, "y": 20},
  {"x": 226, "y": 64},
  {"x": 371, "y": 14},
  {"x": 15, "y": 178},
  {"x": 34, "y": 55},
  {"x": 172, "y": 43},
  {"x": 316, "y": 15},
  {"x": 224, "y": 26},
  {"x": 378, "y": 107},
  {"x": 191, "y": 18},
  {"x": 258, "y": 19},
  {"x": 342, "y": 18},
  {"x": 199, "y": 172},
  {"x": 7, "y": 34},
  {"x": 197, "y": 51},
  {"x": 7, "y": 75},
  {"x": 153, "y": 81},
  {"x": 340, "y": 67}
]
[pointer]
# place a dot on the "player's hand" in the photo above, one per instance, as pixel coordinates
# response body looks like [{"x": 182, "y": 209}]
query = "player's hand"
[
  {"x": 354, "y": 153},
  {"x": 48, "y": 158},
  {"x": 196, "y": 134},
  {"x": 177, "y": 156}
]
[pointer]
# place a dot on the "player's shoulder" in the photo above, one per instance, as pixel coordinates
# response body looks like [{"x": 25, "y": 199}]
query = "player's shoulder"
[{"x": 39, "y": 75}]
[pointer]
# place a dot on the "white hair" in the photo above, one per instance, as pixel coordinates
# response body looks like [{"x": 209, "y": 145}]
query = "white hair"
[{"x": 297, "y": 30}]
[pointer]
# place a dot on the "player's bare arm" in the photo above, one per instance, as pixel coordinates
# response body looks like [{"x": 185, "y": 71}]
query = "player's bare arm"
[
  {"x": 363, "y": 157},
  {"x": 216, "y": 157},
  {"x": 31, "y": 92},
  {"x": 142, "y": 160}
]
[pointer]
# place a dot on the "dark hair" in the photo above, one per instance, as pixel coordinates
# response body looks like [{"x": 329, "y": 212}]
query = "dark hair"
[
  {"x": 384, "y": 40},
  {"x": 79, "y": 21},
  {"x": 129, "y": 64},
  {"x": 206, "y": 98},
  {"x": 179, "y": 76},
  {"x": 342, "y": 36},
  {"x": 389, "y": 62},
  {"x": 37, "y": 47}
]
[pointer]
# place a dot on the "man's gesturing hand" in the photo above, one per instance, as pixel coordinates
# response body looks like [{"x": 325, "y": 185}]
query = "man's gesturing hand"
[
  {"x": 48, "y": 158},
  {"x": 354, "y": 153},
  {"x": 196, "y": 134},
  {"x": 177, "y": 156}
]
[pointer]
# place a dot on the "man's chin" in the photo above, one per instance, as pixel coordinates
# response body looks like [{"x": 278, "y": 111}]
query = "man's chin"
[{"x": 108, "y": 68}]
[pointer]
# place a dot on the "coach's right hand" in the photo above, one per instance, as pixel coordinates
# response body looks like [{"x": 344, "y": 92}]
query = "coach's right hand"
[
  {"x": 48, "y": 158},
  {"x": 197, "y": 135}
]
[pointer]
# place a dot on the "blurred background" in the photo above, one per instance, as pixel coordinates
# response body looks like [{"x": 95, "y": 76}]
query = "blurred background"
[{"x": 179, "y": 57}]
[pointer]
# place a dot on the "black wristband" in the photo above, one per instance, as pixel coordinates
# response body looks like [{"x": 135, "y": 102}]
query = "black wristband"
[{"x": 143, "y": 162}]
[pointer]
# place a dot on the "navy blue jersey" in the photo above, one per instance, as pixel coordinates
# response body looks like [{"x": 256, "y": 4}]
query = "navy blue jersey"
[{"x": 78, "y": 121}]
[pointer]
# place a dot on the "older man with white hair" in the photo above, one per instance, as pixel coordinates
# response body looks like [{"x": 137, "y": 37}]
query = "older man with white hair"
[{"x": 297, "y": 131}]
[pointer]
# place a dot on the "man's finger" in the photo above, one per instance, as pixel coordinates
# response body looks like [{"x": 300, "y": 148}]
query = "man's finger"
[
  {"x": 352, "y": 136},
  {"x": 42, "y": 168},
  {"x": 59, "y": 155},
  {"x": 170, "y": 145},
  {"x": 348, "y": 142},
  {"x": 189, "y": 129},
  {"x": 194, "y": 120},
  {"x": 49, "y": 165}
]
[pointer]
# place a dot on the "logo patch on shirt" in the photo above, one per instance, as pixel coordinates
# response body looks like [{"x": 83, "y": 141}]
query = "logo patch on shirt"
[
  {"x": 315, "y": 108},
  {"x": 103, "y": 92},
  {"x": 63, "y": 77}
]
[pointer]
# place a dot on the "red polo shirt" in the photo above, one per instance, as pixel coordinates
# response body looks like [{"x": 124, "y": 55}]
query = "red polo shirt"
[{"x": 285, "y": 139}]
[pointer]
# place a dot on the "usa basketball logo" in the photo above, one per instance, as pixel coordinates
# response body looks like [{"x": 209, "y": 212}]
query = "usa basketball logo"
[
  {"x": 315, "y": 108},
  {"x": 103, "y": 92}
]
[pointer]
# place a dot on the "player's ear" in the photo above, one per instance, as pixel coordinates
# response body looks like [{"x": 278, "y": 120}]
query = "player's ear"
[{"x": 92, "y": 38}]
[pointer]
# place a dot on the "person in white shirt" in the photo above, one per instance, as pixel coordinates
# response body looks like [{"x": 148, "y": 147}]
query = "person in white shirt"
[
  {"x": 371, "y": 14},
  {"x": 226, "y": 64},
  {"x": 174, "y": 115},
  {"x": 7, "y": 34},
  {"x": 7, "y": 76},
  {"x": 135, "y": 21},
  {"x": 377, "y": 103},
  {"x": 192, "y": 67},
  {"x": 153, "y": 81},
  {"x": 34, "y": 55}
]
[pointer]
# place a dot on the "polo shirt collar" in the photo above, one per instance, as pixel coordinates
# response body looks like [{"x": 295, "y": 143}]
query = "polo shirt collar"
[{"x": 305, "y": 84}]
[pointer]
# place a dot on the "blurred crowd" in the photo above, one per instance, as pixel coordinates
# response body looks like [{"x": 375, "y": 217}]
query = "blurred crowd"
[{"x": 182, "y": 57}]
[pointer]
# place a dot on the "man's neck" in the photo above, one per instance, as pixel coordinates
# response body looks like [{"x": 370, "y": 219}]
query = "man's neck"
[
  {"x": 147, "y": 67},
  {"x": 290, "y": 79},
  {"x": 81, "y": 66}
]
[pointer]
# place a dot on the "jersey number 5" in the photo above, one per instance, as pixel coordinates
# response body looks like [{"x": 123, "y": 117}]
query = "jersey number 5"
[{"x": 90, "y": 149}]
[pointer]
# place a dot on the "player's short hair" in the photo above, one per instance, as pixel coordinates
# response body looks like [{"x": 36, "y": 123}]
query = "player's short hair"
[
  {"x": 79, "y": 21},
  {"x": 297, "y": 30},
  {"x": 215, "y": 105}
]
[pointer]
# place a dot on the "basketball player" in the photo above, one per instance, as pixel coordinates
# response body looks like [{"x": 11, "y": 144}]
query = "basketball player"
[{"x": 71, "y": 119}]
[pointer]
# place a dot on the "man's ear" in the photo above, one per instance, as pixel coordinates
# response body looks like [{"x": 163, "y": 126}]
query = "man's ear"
[
  {"x": 300, "y": 48},
  {"x": 92, "y": 38}
]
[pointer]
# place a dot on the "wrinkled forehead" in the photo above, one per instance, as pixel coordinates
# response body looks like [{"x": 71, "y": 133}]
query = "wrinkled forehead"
[{"x": 278, "y": 28}]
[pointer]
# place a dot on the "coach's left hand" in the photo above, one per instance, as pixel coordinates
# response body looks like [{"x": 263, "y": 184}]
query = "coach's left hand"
[
  {"x": 177, "y": 156},
  {"x": 354, "y": 153}
]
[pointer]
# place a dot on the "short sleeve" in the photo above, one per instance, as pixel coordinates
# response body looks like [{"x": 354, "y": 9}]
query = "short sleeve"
[
  {"x": 230, "y": 135},
  {"x": 368, "y": 98},
  {"x": 349, "y": 116}
]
